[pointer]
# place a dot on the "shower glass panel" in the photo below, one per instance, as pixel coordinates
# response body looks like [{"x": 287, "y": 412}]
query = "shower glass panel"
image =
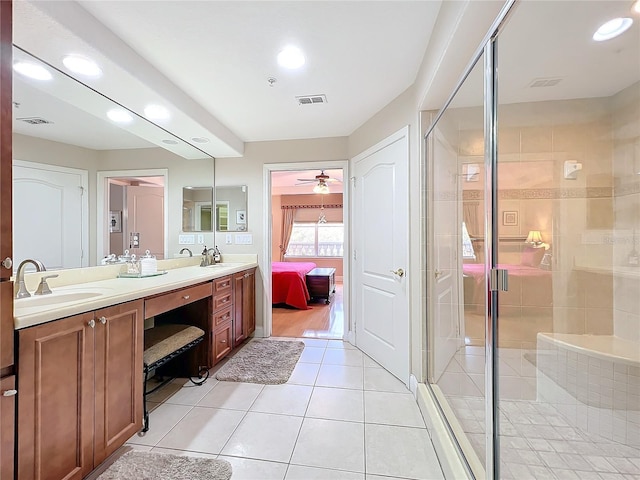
[
  {"x": 457, "y": 299},
  {"x": 568, "y": 224}
]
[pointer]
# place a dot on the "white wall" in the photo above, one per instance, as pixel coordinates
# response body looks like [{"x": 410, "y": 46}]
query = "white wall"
[
  {"x": 181, "y": 173},
  {"x": 248, "y": 170}
]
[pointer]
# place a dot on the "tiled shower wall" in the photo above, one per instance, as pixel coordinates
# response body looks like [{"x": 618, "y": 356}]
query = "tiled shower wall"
[{"x": 626, "y": 167}]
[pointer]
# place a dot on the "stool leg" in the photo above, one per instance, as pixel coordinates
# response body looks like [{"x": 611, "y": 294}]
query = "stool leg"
[{"x": 145, "y": 427}]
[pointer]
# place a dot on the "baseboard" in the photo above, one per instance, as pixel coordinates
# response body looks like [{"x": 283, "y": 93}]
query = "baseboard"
[
  {"x": 452, "y": 465},
  {"x": 259, "y": 333}
]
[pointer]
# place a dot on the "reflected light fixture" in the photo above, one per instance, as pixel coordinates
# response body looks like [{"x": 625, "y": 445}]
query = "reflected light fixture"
[
  {"x": 32, "y": 70},
  {"x": 156, "y": 112},
  {"x": 119, "y": 115},
  {"x": 636, "y": 6},
  {"x": 534, "y": 238},
  {"x": 612, "y": 29},
  {"x": 82, "y": 65}
]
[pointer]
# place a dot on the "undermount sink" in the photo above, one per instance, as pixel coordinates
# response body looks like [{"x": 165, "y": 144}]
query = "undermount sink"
[{"x": 54, "y": 298}]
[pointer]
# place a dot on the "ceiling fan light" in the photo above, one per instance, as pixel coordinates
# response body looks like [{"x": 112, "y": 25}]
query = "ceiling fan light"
[{"x": 321, "y": 188}]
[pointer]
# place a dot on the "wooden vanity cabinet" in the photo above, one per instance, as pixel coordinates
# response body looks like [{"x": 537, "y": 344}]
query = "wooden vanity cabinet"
[
  {"x": 221, "y": 319},
  {"x": 244, "y": 304},
  {"x": 80, "y": 390}
]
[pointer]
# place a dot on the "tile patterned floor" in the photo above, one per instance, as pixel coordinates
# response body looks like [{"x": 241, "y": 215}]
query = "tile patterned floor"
[
  {"x": 536, "y": 440},
  {"x": 340, "y": 417}
]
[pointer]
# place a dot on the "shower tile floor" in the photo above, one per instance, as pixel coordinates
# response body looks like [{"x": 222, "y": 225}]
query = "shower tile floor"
[{"x": 536, "y": 441}]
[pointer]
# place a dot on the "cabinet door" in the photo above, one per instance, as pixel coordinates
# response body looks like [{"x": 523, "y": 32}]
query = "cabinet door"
[
  {"x": 8, "y": 423},
  {"x": 239, "y": 332},
  {"x": 221, "y": 342},
  {"x": 56, "y": 400},
  {"x": 244, "y": 304},
  {"x": 118, "y": 376}
]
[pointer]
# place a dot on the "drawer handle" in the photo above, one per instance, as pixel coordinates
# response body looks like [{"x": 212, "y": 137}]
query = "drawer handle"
[
  {"x": 186, "y": 297},
  {"x": 92, "y": 323},
  {"x": 9, "y": 393},
  {"x": 103, "y": 320},
  {"x": 223, "y": 341},
  {"x": 225, "y": 300}
]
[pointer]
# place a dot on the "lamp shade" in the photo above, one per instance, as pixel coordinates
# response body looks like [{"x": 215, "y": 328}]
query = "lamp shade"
[
  {"x": 534, "y": 237},
  {"x": 321, "y": 188}
]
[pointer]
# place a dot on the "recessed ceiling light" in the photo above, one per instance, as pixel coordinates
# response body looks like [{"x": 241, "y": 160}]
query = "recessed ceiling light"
[
  {"x": 170, "y": 142},
  {"x": 200, "y": 140},
  {"x": 291, "y": 57},
  {"x": 636, "y": 7},
  {"x": 82, "y": 65},
  {"x": 156, "y": 112},
  {"x": 119, "y": 115},
  {"x": 32, "y": 70},
  {"x": 612, "y": 29}
]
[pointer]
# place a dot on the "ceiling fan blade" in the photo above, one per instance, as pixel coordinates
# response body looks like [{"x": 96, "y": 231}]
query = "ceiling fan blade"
[{"x": 306, "y": 179}]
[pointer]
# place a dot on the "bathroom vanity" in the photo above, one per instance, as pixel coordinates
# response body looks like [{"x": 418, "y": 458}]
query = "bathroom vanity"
[{"x": 80, "y": 374}]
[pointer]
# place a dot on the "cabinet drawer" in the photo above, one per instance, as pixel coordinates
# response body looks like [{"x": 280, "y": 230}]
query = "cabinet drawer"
[
  {"x": 222, "y": 300},
  {"x": 221, "y": 317},
  {"x": 168, "y": 301},
  {"x": 221, "y": 284},
  {"x": 221, "y": 343}
]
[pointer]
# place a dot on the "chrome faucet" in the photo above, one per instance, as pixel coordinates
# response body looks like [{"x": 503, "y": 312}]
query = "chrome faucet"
[
  {"x": 43, "y": 287},
  {"x": 190, "y": 252},
  {"x": 22, "y": 289}
]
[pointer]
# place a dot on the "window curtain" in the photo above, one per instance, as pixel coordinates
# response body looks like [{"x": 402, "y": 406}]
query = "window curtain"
[
  {"x": 470, "y": 218},
  {"x": 288, "y": 215}
]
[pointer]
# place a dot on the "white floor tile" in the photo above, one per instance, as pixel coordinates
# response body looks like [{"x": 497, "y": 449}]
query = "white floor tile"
[
  {"x": 299, "y": 472},
  {"x": 340, "y": 344},
  {"x": 161, "y": 420},
  {"x": 247, "y": 469},
  {"x": 203, "y": 430},
  {"x": 182, "y": 391},
  {"x": 304, "y": 374},
  {"x": 380, "y": 380},
  {"x": 312, "y": 355},
  {"x": 330, "y": 444},
  {"x": 370, "y": 363},
  {"x": 401, "y": 451},
  {"x": 342, "y": 356},
  {"x": 314, "y": 342},
  {"x": 336, "y": 404},
  {"x": 340, "y": 376},
  {"x": 392, "y": 409},
  {"x": 264, "y": 436},
  {"x": 232, "y": 395},
  {"x": 284, "y": 399}
]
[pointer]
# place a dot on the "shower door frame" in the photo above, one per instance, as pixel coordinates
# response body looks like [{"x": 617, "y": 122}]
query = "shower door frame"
[{"x": 488, "y": 48}]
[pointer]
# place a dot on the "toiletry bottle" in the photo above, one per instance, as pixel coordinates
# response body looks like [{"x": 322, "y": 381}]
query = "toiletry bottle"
[
  {"x": 205, "y": 257},
  {"x": 217, "y": 256}
]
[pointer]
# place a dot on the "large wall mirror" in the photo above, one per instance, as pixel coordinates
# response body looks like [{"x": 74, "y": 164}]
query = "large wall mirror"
[
  {"x": 63, "y": 146},
  {"x": 197, "y": 211},
  {"x": 231, "y": 209}
]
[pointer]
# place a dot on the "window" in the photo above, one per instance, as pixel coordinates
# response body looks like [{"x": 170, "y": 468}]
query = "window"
[
  {"x": 316, "y": 240},
  {"x": 467, "y": 246}
]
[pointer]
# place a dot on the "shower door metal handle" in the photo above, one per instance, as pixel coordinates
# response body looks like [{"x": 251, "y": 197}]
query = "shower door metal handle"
[{"x": 499, "y": 280}]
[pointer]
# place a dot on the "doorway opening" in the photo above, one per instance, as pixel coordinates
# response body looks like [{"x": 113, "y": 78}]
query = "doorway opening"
[
  {"x": 307, "y": 247},
  {"x": 132, "y": 212}
]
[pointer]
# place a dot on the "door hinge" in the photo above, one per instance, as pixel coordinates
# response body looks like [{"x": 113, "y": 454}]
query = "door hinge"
[
  {"x": 499, "y": 280},
  {"x": 355, "y": 255},
  {"x": 353, "y": 182}
]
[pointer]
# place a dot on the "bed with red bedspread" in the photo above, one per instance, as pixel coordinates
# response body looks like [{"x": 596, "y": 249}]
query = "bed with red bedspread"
[{"x": 288, "y": 283}]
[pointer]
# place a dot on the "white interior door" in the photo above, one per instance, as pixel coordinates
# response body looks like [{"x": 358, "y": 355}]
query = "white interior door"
[
  {"x": 447, "y": 270},
  {"x": 381, "y": 244},
  {"x": 145, "y": 217},
  {"x": 51, "y": 199}
]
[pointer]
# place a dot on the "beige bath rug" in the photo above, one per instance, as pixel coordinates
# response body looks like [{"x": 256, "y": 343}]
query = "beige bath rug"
[
  {"x": 262, "y": 361},
  {"x": 141, "y": 465}
]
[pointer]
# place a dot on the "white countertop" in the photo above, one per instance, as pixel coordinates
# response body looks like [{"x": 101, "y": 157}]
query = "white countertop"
[{"x": 39, "y": 309}]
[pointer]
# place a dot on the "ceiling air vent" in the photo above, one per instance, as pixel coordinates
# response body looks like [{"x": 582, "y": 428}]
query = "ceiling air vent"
[
  {"x": 34, "y": 120},
  {"x": 545, "y": 82},
  {"x": 311, "y": 99}
]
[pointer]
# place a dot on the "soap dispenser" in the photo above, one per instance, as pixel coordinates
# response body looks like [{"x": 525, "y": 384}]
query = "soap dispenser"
[
  {"x": 204, "y": 262},
  {"x": 217, "y": 256}
]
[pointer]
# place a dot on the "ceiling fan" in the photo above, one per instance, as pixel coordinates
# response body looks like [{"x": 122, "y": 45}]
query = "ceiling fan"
[{"x": 322, "y": 180}]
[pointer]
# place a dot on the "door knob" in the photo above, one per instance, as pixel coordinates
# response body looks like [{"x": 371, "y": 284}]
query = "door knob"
[
  {"x": 437, "y": 273},
  {"x": 399, "y": 272},
  {"x": 103, "y": 320},
  {"x": 91, "y": 323}
]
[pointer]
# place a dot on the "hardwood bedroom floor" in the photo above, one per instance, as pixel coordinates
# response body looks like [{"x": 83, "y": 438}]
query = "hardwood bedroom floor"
[{"x": 320, "y": 321}]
